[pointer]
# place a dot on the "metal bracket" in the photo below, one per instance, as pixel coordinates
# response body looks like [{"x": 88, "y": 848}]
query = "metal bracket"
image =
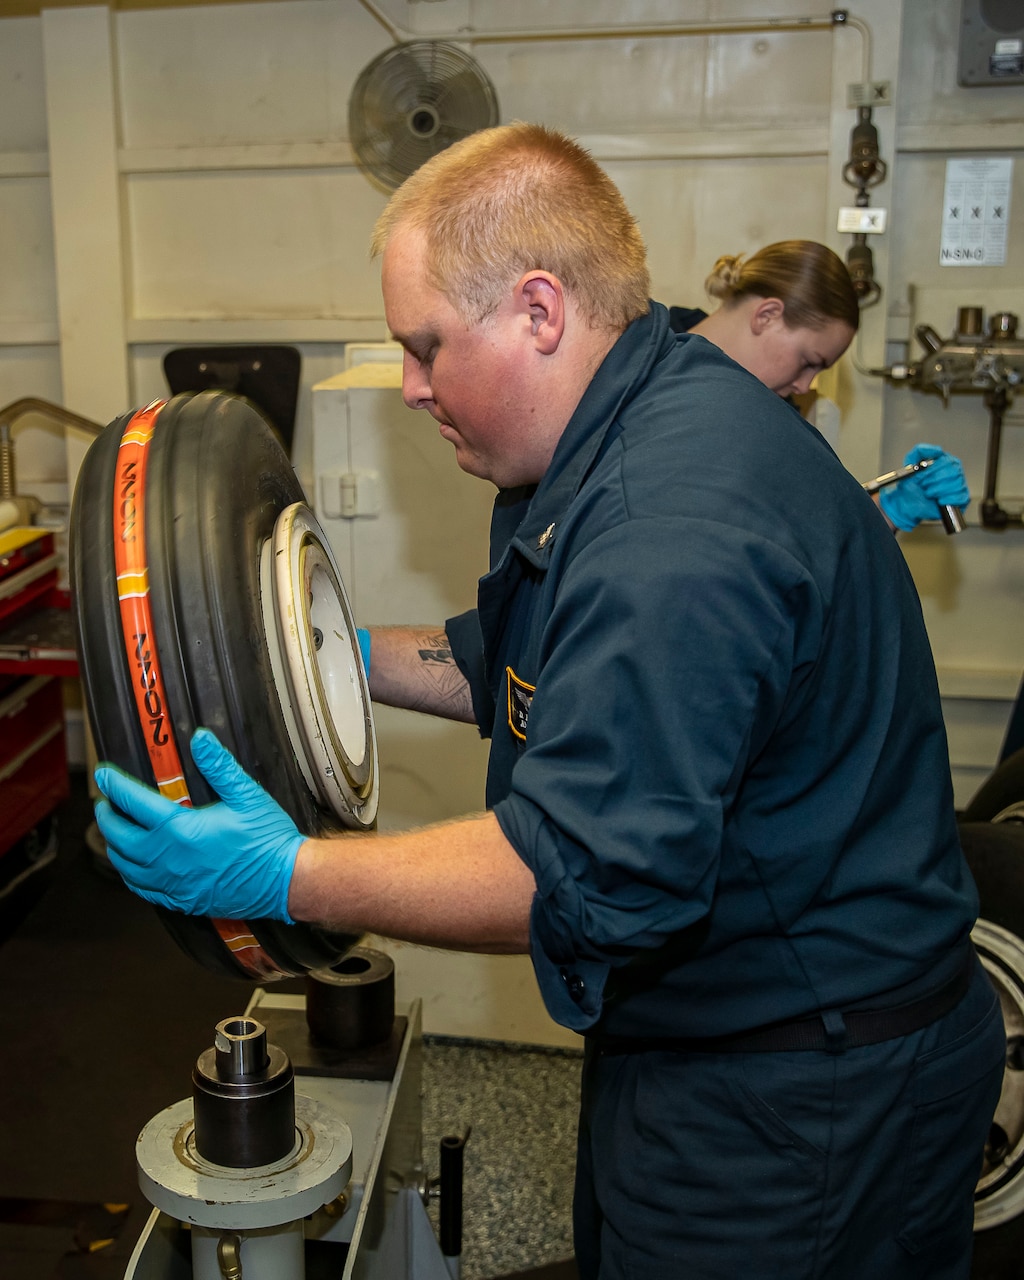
[{"x": 344, "y": 495}]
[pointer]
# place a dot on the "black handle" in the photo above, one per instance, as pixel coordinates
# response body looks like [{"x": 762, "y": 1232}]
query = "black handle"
[{"x": 450, "y": 1216}]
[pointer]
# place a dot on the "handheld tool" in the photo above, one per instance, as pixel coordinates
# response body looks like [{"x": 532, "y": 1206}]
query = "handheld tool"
[{"x": 952, "y": 517}]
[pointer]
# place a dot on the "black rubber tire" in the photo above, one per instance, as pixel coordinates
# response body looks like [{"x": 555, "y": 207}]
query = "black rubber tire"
[
  {"x": 217, "y": 479},
  {"x": 995, "y": 854}
]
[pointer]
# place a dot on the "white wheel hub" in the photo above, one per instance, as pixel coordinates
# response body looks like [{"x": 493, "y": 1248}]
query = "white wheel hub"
[{"x": 318, "y": 668}]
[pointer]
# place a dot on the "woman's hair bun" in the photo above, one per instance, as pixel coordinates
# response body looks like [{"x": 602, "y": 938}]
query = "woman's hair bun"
[{"x": 725, "y": 276}]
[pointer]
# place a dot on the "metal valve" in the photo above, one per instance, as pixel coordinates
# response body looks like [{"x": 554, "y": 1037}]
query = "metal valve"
[
  {"x": 989, "y": 361},
  {"x": 972, "y": 359}
]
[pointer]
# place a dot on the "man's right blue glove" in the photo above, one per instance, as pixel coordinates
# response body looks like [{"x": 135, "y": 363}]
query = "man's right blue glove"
[
  {"x": 363, "y": 636},
  {"x": 923, "y": 495},
  {"x": 231, "y": 860}
]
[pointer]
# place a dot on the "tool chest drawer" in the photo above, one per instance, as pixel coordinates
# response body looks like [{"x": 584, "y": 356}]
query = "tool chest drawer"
[{"x": 33, "y": 760}]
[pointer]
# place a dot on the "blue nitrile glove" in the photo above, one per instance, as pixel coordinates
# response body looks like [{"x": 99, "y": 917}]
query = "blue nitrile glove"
[
  {"x": 231, "y": 860},
  {"x": 922, "y": 495},
  {"x": 363, "y": 636}
]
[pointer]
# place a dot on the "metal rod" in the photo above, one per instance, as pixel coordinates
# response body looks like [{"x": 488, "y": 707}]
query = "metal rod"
[
  {"x": 996, "y": 407},
  {"x": 450, "y": 1221},
  {"x": 894, "y": 477},
  {"x": 467, "y": 35},
  {"x": 952, "y": 517},
  {"x": 45, "y": 409}
]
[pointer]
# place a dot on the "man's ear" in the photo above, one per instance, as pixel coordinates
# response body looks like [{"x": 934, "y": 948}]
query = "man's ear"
[
  {"x": 542, "y": 297},
  {"x": 767, "y": 312}
]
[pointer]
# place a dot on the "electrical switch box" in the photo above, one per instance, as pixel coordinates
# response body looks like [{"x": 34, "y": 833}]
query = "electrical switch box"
[{"x": 991, "y": 43}]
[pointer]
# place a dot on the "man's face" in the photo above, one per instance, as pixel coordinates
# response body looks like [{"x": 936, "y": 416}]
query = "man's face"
[
  {"x": 470, "y": 379},
  {"x": 788, "y": 360}
]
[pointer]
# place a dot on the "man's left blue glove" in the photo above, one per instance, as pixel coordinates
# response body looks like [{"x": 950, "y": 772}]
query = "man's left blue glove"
[
  {"x": 363, "y": 636},
  {"x": 230, "y": 860},
  {"x": 923, "y": 495}
]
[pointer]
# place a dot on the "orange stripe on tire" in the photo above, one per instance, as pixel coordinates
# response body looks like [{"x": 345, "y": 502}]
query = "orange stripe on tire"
[{"x": 132, "y": 570}]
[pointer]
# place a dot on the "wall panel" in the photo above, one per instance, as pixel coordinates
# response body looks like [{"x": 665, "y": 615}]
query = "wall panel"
[
  {"x": 255, "y": 244},
  {"x": 241, "y": 73},
  {"x": 22, "y": 93},
  {"x": 972, "y": 586},
  {"x": 693, "y": 211},
  {"x": 28, "y": 294},
  {"x": 30, "y": 365}
]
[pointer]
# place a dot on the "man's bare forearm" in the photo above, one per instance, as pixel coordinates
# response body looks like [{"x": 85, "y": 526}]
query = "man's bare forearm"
[
  {"x": 458, "y": 885},
  {"x": 413, "y": 667}
]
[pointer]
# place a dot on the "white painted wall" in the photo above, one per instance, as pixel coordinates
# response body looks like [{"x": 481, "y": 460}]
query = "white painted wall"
[
  {"x": 972, "y": 586},
  {"x": 172, "y": 176}
]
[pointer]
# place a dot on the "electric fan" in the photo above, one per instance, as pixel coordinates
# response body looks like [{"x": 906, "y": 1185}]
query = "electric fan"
[{"x": 411, "y": 102}]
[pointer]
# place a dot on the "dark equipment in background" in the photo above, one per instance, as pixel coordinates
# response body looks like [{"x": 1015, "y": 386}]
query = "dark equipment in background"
[
  {"x": 266, "y": 375},
  {"x": 991, "y": 43},
  {"x": 991, "y": 829}
]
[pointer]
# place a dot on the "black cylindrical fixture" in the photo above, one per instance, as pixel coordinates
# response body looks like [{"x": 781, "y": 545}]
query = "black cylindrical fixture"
[
  {"x": 243, "y": 1095},
  {"x": 864, "y": 144},
  {"x": 450, "y": 1209},
  {"x": 997, "y": 402},
  {"x": 351, "y": 1005},
  {"x": 860, "y": 263}
]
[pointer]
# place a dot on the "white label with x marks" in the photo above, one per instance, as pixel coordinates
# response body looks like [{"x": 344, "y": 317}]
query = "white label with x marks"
[
  {"x": 861, "y": 221},
  {"x": 976, "y": 212}
]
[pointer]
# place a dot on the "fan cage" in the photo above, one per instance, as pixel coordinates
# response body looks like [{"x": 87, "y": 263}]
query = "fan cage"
[{"x": 413, "y": 101}]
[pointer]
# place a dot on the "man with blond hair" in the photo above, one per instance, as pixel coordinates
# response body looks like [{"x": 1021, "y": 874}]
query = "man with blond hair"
[{"x": 719, "y": 814}]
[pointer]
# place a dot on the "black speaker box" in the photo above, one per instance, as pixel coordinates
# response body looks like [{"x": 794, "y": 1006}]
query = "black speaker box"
[{"x": 991, "y": 42}]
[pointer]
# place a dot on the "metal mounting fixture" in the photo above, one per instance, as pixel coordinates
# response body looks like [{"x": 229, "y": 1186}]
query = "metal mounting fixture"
[{"x": 986, "y": 361}]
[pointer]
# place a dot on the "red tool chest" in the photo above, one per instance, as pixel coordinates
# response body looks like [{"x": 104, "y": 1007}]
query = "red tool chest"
[
  {"x": 33, "y": 764},
  {"x": 33, "y": 759}
]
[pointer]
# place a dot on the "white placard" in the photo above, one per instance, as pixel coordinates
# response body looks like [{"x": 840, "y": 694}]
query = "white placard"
[
  {"x": 976, "y": 212},
  {"x": 861, "y": 221}
]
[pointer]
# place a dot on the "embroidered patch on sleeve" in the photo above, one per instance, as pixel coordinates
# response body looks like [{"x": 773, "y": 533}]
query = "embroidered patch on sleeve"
[{"x": 520, "y": 697}]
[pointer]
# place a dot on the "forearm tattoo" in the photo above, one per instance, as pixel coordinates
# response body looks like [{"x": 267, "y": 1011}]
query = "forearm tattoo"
[
  {"x": 435, "y": 649},
  {"x": 444, "y": 684}
]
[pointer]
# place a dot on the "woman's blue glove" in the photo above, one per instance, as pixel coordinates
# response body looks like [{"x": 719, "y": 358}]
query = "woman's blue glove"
[
  {"x": 363, "y": 636},
  {"x": 923, "y": 495},
  {"x": 232, "y": 860}
]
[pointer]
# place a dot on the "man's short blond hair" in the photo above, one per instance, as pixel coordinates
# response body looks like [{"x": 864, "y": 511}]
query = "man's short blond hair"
[{"x": 519, "y": 198}]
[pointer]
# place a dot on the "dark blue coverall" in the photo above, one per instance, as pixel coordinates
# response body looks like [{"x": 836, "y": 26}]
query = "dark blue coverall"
[{"x": 717, "y": 743}]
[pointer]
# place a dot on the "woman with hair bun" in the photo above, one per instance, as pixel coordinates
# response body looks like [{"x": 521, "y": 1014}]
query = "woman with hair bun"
[{"x": 787, "y": 313}]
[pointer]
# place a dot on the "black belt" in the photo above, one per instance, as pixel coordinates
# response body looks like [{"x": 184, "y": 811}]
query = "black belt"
[{"x": 832, "y": 1030}]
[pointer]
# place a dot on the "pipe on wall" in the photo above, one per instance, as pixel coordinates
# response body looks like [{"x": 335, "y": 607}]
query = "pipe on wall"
[{"x": 837, "y": 18}]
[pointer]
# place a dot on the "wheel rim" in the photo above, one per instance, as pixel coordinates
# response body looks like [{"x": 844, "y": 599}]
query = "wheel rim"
[
  {"x": 999, "y": 1195},
  {"x": 319, "y": 675}
]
